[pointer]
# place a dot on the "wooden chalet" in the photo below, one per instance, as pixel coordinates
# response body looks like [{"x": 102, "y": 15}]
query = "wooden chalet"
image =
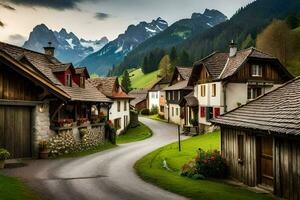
[
  {"x": 261, "y": 141},
  {"x": 176, "y": 91},
  {"x": 224, "y": 81},
  {"x": 37, "y": 91},
  {"x": 140, "y": 99}
]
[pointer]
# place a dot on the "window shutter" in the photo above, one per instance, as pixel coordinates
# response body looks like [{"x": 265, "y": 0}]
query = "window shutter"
[
  {"x": 202, "y": 111},
  {"x": 216, "y": 112}
]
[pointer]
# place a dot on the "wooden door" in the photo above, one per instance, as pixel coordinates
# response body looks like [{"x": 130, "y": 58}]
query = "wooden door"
[
  {"x": 265, "y": 162},
  {"x": 15, "y": 130}
]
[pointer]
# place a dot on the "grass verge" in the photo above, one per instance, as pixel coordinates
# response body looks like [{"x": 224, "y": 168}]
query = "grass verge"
[
  {"x": 155, "y": 117},
  {"x": 13, "y": 189},
  {"x": 150, "y": 169},
  {"x": 138, "y": 133},
  {"x": 100, "y": 148}
]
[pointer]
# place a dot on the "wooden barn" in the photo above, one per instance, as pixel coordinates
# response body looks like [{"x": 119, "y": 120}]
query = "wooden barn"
[{"x": 261, "y": 141}]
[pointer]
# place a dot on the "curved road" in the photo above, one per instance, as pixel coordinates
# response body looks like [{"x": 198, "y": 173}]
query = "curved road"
[{"x": 107, "y": 175}]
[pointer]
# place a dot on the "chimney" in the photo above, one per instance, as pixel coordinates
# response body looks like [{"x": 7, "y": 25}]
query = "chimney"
[
  {"x": 232, "y": 49},
  {"x": 49, "y": 50}
]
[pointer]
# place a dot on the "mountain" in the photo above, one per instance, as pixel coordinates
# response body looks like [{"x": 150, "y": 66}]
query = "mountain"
[
  {"x": 68, "y": 47},
  {"x": 243, "y": 27},
  {"x": 174, "y": 35},
  {"x": 112, "y": 53}
]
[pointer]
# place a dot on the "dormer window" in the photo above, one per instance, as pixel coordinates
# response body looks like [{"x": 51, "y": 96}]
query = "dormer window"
[
  {"x": 68, "y": 80},
  {"x": 82, "y": 82},
  {"x": 256, "y": 71},
  {"x": 178, "y": 78}
]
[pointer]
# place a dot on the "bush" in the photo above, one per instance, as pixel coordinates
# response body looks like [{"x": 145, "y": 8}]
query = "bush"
[
  {"x": 4, "y": 154},
  {"x": 194, "y": 122},
  {"x": 161, "y": 116},
  {"x": 145, "y": 111},
  {"x": 154, "y": 110},
  {"x": 206, "y": 164}
]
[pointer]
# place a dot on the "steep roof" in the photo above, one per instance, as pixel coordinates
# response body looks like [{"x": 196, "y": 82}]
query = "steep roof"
[
  {"x": 107, "y": 86},
  {"x": 46, "y": 66},
  {"x": 80, "y": 70},
  {"x": 277, "y": 111},
  {"x": 220, "y": 66},
  {"x": 185, "y": 72},
  {"x": 139, "y": 94},
  {"x": 178, "y": 86},
  {"x": 190, "y": 100}
]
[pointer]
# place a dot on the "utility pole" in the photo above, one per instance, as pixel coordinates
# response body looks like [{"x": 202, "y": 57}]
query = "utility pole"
[{"x": 179, "y": 145}]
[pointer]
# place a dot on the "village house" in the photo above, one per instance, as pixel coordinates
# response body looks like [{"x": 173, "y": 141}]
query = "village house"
[
  {"x": 140, "y": 99},
  {"x": 177, "y": 90},
  {"x": 225, "y": 81},
  {"x": 261, "y": 141},
  {"x": 157, "y": 95},
  {"x": 119, "y": 112},
  {"x": 38, "y": 95}
]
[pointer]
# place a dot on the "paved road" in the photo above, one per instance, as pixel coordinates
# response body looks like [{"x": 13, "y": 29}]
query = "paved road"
[{"x": 107, "y": 175}]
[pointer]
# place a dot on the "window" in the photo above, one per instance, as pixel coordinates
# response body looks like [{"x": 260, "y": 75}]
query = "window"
[
  {"x": 168, "y": 96},
  {"x": 256, "y": 71},
  {"x": 216, "y": 112},
  {"x": 214, "y": 90},
  {"x": 156, "y": 95},
  {"x": 176, "y": 111},
  {"x": 240, "y": 148},
  {"x": 173, "y": 95},
  {"x": 202, "y": 111},
  {"x": 125, "y": 105},
  {"x": 209, "y": 113},
  {"x": 178, "y": 97},
  {"x": 173, "y": 111},
  {"x": 152, "y": 95},
  {"x": 117, "y": 123},
  {"x": 202, "y": 90},
  {"x": 68, "y": 80},
  {"x": 162, "y": 109},
  {"x": 119, "y": 106},
  {"x": 82, "y": 82},
  {"x": 254, "y": 92}
]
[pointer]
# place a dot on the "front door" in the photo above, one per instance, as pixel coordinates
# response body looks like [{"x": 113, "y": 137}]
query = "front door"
[{"x": 265, "y": 161}]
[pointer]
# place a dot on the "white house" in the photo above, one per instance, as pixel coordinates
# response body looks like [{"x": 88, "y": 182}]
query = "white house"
[
  {"x": 119, "y": 113},
  {"x": 225, "y": 81}
]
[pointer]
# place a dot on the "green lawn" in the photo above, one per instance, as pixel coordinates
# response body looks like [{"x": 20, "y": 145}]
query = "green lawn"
[
  {"x": 150, "y": 169},
  {"x": 141, "y": 80},
  {"x": 13, "y": 189},
  {"x": 100, "y": 148},
  {"x": 135, "y": 134}
]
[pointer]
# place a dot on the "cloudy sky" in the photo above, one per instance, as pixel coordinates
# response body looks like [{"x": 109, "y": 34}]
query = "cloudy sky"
[{"x": 93, "y": 19}]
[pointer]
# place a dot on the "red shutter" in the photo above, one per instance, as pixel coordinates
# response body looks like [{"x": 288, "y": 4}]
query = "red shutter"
[
  {"x": 202, "y": 111},
  {"x": 216, "y": 112}
]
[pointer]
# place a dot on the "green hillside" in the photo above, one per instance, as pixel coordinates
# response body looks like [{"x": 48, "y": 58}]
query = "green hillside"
[
  {"x": 141, "y": 80},
  {"x": 294, "y": 63}
]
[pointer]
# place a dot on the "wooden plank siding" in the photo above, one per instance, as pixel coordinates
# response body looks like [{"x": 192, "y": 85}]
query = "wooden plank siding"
[{"x": 286, "y": 160}]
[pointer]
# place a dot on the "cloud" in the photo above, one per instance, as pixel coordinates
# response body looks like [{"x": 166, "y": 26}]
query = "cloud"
[
  {"x": 7, "y": 6},
  {"x": 102, "y": 16},
  {"x": 16, "y": 39},
  {"x": 55, "y": 4}
]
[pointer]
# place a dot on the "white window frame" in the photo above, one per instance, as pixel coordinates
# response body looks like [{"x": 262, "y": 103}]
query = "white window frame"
[{"x": 256, "y": 71}]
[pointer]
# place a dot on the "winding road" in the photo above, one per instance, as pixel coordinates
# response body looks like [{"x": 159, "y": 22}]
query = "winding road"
[{"x": 108, "y": 175}]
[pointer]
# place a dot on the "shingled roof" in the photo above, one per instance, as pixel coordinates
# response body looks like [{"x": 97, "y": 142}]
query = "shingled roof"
[
  {"x": 220, "y": 66},
  {"x": 107, "y": 86},
  {"x": 45, "y": 66},
  {"x": 277, "y": 111},
  {"x": 139, "y": 94},
  {"x": 185, "y": 72}
]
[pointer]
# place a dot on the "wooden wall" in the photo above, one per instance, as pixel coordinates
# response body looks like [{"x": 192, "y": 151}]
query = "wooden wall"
[
  {"x": 287, "y": 168},
  {"x": 286, "y": 160},
  {"x": 245, "y": 172},
  {"x": 15, "y": 87}
]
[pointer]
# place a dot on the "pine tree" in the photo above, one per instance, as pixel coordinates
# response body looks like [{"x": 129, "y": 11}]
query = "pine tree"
[
  {"x": 164, "y": 66},
  {"x": 184, "y": 59},
  {"x": 145, "y": 65},
  {"x": 126, "y": 82},
  {"x": 173, "y": 55},
  {"x": 292, "y": 21}
]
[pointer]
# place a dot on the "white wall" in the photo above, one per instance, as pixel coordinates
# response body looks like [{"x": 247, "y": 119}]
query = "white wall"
[
  {"x": 174, "y": 118},
  {"x": 153, "y": 99},
  {"x": 236, "y": 93},
  {"x": 115, "y": 114}
]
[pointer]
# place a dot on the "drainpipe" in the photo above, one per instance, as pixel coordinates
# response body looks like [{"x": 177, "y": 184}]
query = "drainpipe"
[{"x": 224, "y": 96}]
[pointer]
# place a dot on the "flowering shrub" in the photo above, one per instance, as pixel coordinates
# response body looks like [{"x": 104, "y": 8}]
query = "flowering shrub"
[
  {"x": 90, "y": 139},
  {"x": 62, "y": 143},
  {"x": 111, "y": 131},
  {"x": 206, "y": 164},
  {"x": 4, "y": 154},
  {"x": 63, "y": 122},
  {"x": 102, "y": 117},
  {"x": 81, "y": 121}
]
